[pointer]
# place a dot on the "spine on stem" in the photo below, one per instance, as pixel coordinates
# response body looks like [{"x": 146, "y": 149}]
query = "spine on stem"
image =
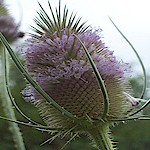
[{"x": 101, "y": 137}]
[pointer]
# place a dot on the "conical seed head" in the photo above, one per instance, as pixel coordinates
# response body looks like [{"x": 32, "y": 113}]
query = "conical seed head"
[{"x": 60, "y": 66}]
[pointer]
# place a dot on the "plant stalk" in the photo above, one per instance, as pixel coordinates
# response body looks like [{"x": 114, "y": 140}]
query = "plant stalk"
[
  {"x": 7, "y": 104},
  {"x": 101, "y": 137}
]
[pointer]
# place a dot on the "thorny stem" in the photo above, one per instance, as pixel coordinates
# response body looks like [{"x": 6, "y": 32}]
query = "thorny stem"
[
  {"x": 7, "y": 105},
  {"x": 101, "y": 137}
]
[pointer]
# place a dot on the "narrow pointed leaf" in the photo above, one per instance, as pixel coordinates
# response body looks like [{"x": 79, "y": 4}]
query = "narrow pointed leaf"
[
  {"x": 141, "y": 63},
  {"x": 99, "y": 79}
]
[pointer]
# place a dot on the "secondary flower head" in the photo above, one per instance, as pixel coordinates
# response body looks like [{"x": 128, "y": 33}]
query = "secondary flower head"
[{"x": 8, "y": 27}]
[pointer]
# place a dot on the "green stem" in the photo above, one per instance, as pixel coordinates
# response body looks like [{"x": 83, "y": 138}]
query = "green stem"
[
  {"x": 101, "y": 137},
  {"x": 7, "y": 104}
]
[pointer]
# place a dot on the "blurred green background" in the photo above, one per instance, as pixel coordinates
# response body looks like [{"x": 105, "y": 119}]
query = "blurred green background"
[{"x": 132, "y": 135}]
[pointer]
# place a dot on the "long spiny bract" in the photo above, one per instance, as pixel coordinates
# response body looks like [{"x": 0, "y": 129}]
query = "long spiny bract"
[
  {"x": 138, "y": 57},
  {"x": 47, "y": 25}
]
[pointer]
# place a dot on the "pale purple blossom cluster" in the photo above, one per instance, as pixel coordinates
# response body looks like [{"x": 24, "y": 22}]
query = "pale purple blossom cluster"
[{"x": 60, "y": 66}]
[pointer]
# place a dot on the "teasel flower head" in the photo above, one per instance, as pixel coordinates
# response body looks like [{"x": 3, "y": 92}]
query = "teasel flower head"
[
  {"x": 8, "y": 27},
  {"x": 60, "y": 57}
]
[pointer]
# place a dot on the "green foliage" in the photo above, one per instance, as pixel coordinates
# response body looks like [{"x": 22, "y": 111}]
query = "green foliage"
[{"x": 134, "y": 135}]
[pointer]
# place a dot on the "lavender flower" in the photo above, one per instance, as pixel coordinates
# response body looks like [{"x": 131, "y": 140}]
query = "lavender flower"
[
  {"x": 58, "y": 63},
  {"x": 8, "y": 27}
]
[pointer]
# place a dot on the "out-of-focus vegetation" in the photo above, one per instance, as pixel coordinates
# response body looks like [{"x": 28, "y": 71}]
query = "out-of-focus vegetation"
[{"x": 132, "y": 135}]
